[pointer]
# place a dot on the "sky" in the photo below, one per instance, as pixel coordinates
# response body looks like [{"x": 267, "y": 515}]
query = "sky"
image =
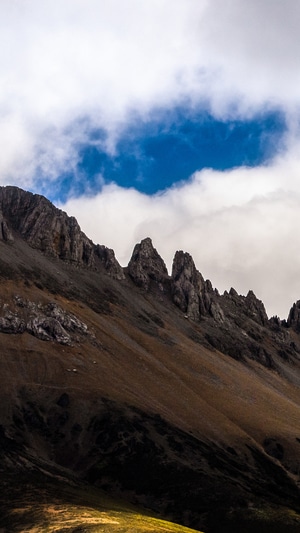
[{"x": 177, "y": 120}]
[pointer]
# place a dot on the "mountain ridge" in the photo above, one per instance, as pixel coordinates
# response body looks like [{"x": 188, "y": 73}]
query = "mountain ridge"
[
  {"x": 52, "y": 231},
  {"x": 151, "y": 386},
  {"x": 28, "y": 215}
]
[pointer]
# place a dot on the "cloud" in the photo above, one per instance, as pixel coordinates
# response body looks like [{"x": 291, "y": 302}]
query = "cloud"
[
  {"x": 240, "y": 226},
  {"x": 69, "y": 67},
  {"x": 255, "y": 50},
  {"x": 65, "y": 61}
]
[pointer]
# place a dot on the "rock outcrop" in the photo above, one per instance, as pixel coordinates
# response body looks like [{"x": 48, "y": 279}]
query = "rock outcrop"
[
  {"x": 109, "y": 262},
  {"x": 146, "y": 266},
  {"x": 293, "y": 320},
  {"x": 238, "y": 306},
  {"x": 10, "y": 323},
  {"x": 46, "y": 322},
  {"x": 234, "y": 324},
  {"x": 189, "y": 290},
  {"x": 5, "y": 233},
  {"x": 255, "y": 309},
  {"x": 51, "y": 230}
]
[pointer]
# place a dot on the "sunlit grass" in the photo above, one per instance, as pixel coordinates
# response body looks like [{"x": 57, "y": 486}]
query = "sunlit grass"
[
  {"x": 51, "y": 507},
  {"x": 55, "y": 517},
  {"x": 56, "y": 505}
]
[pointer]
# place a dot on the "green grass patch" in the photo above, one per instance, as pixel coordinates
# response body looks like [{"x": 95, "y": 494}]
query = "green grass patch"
[{"x": 50, "y": 506}]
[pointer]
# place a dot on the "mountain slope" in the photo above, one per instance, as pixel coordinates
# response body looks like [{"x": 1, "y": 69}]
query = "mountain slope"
[
  {"x": 155, "y": 388},
  {"x": 41, "y": 507}
]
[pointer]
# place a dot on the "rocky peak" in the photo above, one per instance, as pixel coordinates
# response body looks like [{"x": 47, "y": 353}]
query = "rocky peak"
[
  {"x": 50, "y": 230},
  {"x": 44, "y": 226},
  {"x": 293, "y": 320},
  {"x": 190, "y": 291},
  {"x": 184, "y": 268},
  {"x": 247, "y": 306},
  {"x": 255, "y": 309},
  {"x": 146, "y": 265},
  {"x": 233, "y": 293}
]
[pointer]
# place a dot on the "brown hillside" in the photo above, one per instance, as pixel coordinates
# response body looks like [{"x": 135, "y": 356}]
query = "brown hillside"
[{"x": 192, "y": 412}]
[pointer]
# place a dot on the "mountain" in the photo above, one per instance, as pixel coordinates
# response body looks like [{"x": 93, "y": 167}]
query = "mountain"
[{"x": 132, "y": 394}]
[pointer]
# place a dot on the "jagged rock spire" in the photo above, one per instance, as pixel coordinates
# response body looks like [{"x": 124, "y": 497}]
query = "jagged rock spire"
[
  {"x": 146, "y": 265},
  {"x": 255, "y": 309},
  {"x": 293, "y": 320},
  {"x": 190, "y": 291}
]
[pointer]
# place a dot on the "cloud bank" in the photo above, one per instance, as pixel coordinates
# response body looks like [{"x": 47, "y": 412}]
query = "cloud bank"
[{"x": 69, "y": 67}]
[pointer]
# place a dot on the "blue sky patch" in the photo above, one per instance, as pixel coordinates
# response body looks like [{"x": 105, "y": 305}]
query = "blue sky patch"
[{"x": 154, "y": 155}]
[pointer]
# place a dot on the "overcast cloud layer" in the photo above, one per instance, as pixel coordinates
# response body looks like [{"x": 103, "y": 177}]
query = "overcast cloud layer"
[{"x": 70, "y": 66}]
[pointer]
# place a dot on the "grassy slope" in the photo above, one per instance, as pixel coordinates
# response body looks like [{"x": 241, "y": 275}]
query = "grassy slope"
[{"x": 42, "y": 505}]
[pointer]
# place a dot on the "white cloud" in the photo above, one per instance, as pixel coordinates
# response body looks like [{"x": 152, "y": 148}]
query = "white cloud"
[
  {"x": 255, "y": 47},
  {"x": 240, "y": 226},
  {"x": 62, "y": 60},
  {"x": 67, "y": 65}
]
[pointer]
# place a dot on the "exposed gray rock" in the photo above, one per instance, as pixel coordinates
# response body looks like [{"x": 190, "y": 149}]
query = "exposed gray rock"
[
  {"x": 234, "y": 324},
  {"x": 51, "y": 230},
  {"x": 189, "y": 290},
  {"x": 48, "y": 329},
  {"x": 46, "y": 322},
  {"x": 146, "y": 265},
  {"x": 44, "y": 226},
  {"x": 69, "y": 321},
  {"x": 233, "y": 292},
  {"x": 217, "y": 312},
  {"x": 255, "y": 309},
  {"x": 248, "y": 306},
  {"x": 12, "y": 324},
  {"x": 5, "y": 233},
  {"x": 108, "y": 259},
  {"x": 293, "y": 320}
]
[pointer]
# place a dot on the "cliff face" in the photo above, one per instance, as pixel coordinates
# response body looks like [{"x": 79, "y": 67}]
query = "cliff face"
[
  {"x": 189, "y": 290},
  {"x": 50, "y": 230}
]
